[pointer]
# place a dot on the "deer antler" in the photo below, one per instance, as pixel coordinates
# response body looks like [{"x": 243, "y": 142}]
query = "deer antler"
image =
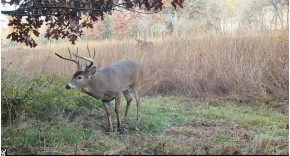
[
  {"x": 90, "y": 59},
  {"x": 70, "y": 59}
]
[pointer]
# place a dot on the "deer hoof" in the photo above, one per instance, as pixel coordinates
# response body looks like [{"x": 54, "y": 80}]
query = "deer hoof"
[{"x": 121, "y": 130}]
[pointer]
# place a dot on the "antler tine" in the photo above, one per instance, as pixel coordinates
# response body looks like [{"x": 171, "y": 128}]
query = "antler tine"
[
  {"x": 77, "y": 57},
  {"x": 94, "y": 53},
  {"x": 89, "y": 51},
  {"x": 68, "y": 59},
  {"x": 69, "y": 52},
  {"x": 91, "y": 60},
  {"x": 76, "y": 53},
  {"x": 88, "y": 66}
]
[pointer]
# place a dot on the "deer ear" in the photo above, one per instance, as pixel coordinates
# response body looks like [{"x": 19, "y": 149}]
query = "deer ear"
[{"x": 92, "y": 70}]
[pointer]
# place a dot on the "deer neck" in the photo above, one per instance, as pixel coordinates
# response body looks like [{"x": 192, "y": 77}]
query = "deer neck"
[
  {"x": 94, "y": 86},
  {"x": 87, "y": 90}
]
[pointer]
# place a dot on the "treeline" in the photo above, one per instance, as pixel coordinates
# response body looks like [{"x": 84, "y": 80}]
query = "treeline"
[{"x": 197, "y": 16}]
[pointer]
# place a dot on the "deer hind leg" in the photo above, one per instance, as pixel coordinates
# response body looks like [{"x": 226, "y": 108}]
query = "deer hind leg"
[
  {"x": 136, "y": 95},
  {"x": 128, "y": 99},
  {"x": 109, "y": 114}
]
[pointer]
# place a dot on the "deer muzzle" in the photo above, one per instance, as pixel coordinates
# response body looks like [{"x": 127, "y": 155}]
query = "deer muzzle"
[{"x": 68, "y": 87}]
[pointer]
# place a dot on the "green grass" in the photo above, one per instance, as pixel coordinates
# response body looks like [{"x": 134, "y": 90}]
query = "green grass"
[
  {"x": 158, "y": 113},
  {"x": 51, "y": 120}
]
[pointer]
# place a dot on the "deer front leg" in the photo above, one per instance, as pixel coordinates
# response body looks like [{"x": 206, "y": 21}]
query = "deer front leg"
[
  {"x": 109, "y": 114},
  {"x": 117, "y": 110}
]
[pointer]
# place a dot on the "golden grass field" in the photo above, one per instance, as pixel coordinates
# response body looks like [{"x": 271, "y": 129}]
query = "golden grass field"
[{"x": 240, "y": 65}]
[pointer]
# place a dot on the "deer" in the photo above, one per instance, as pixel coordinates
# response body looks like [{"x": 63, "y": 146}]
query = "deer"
[{"x": 107, "y": 83}]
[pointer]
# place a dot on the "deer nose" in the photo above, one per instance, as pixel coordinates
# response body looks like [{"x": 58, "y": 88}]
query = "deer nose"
[{"x": 67, "y": 87}]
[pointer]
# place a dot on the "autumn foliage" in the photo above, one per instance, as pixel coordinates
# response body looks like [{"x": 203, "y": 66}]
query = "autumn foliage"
[{"x": 68, "y": 18}]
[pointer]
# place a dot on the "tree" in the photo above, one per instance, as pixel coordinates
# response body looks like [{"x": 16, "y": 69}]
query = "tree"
[
  {"x": 277, "y": 6},
  {"x": 68, "y": 18}
]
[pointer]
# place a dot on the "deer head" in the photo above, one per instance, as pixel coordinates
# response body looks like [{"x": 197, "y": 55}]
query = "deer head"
[{"x": 83, "y": 75}]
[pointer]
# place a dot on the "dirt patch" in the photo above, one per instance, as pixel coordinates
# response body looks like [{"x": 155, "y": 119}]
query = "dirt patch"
[
  {"x": 207, "y": 130},
  {"x": 208, "y": 134}
]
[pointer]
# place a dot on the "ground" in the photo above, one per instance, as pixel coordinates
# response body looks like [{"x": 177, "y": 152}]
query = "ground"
[{"x": 169, "y": 125}]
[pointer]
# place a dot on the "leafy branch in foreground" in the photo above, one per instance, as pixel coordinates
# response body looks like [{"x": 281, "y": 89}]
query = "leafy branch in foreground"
[{"x": 67, "y": 18}]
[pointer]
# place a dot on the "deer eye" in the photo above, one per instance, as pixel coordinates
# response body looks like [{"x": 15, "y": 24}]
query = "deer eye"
[{"x": 79, "y": 77}]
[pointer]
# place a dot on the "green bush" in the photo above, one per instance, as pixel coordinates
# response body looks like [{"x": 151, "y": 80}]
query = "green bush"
[{"x": 41, "y": 97}]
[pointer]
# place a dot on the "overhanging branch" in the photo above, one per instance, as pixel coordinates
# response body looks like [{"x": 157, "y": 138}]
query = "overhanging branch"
[
  {"x": 67, "y": 18},
  {"x": 19, "y": 12}
]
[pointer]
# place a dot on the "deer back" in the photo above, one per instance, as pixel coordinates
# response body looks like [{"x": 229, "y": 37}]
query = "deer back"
[{"x": 115, "y": 78}]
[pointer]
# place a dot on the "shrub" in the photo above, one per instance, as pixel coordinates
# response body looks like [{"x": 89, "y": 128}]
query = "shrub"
[{"x": 41, "y": 97}]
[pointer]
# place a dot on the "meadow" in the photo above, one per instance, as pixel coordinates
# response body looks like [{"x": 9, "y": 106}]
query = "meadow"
[{"x": 215, "y": 93}]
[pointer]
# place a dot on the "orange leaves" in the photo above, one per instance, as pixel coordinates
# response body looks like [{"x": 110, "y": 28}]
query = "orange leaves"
[
  {"x": 23, "y": 32},
  {"x": 12, "y": 35},
  {"x": 178, "y": 2},
  {"x": 35, "y": 32},
  {"x": 128, "y": 4},
  {"x": 120, "y": 24},
  {"x": 157, "y": 5},
  {"x": 73, "y": 38},
  {"x": 22, "y": 37},
  {"x": 149, "y": 4}
]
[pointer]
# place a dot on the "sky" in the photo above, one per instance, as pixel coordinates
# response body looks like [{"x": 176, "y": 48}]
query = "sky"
[{"x": 4, "y": 19}]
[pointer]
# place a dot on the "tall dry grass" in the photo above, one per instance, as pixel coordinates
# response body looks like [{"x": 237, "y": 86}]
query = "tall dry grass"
[{"x": 254, "y": 66}]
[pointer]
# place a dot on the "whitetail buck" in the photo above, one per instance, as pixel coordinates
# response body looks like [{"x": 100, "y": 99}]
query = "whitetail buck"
[{"x": 108, "y": 83}]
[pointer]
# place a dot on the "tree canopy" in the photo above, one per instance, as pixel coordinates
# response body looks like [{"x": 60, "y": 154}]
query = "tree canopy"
[{"x": 68, "y": 18}]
